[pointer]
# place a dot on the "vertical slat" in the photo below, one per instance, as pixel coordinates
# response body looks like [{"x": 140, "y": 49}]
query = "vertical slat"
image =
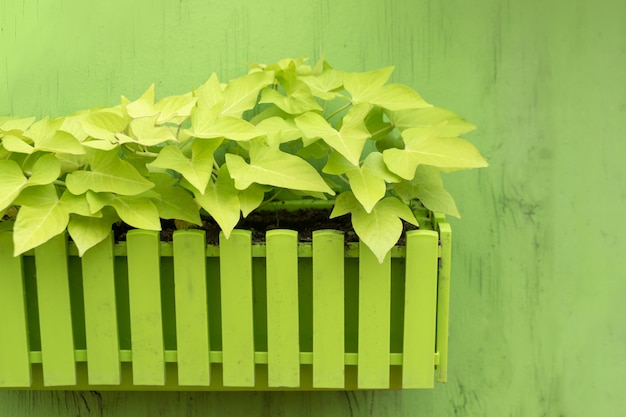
[
  {"x": 443, "y": 297},
  {"x": 192, "y": 321},
  {"x": 144, "y": 292},
  {"x": 14, "y": 349},
  {"x": 328, "y": 309},
  {"x": 420, "y": 304},
  {"x": 283, "y": 344},
  {"x": 55, "y": 313},
  {"x": 103, "y": 348},
  {"x": 237, "y": 324},
  {"x": 374, "y": 320}
]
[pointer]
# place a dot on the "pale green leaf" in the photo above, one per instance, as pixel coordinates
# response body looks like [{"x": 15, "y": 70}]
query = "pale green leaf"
[
  {"x": 35, "y": 225},
  {"x": 364, "y": 84},
  {"x": 210, "y": 94},
  {"x": 20, "y": 124},
  {"x": 13, "y": 181},
  {"x": 279, "y": 130},
  {"x": 78, "y": 204},
  {"x": 325, "y": 84},
  {"x": 147, "y": 133},
  {"x": 369, "y": 182},
  {"x": 45, "y": 170},
  {"x": 427, "y": 186},
  {"x": 452, "y": 124},
  {"x": 135, "y": 211},
  {"x": 298, "y": 99},
  {"x": 87, "y": 232},
  {"x": 241, "y": 93},
  {"x": 47, "y": 137},
  {"x": 175, "y": 108},
  {"x": 104, "y": 125},
  {"x": 143, "y": 106},
  {"x": 13, "y": 143},
  {"x": 108, "y": 174},
  {"x": 205, "y": 124},
  {"x": 221, "y": 201},
  {"x": 196, "y": 170},
  {"x": 273, "y": 167},
  {"x": 172, "y": 201},
  {"x": 251, "y": 198}
]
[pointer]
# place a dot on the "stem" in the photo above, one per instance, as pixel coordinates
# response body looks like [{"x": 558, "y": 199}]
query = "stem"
[
  {"x": 385, "y": 129},
  {"x": 339, "y": 110},
  {"x": 272, "y": 198}
]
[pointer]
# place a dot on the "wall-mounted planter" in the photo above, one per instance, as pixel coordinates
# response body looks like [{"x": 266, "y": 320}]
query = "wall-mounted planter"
[{"x": 148, "y": 315}]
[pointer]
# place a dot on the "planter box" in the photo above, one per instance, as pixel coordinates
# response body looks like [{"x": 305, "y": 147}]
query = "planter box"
[{"x": 149, "y": 315}]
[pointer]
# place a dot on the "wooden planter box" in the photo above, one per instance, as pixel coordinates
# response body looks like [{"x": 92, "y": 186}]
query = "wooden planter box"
[{"x": 149, "y": 315}]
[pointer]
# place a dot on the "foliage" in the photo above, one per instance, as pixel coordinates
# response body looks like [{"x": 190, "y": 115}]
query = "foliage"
[{"x": 226, "y": 148}]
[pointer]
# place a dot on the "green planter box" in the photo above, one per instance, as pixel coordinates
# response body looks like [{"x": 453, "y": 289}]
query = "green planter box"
[{"x": 150, "y": 315}]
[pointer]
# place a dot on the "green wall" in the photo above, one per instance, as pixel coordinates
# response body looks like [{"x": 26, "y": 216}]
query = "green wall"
[{"x": 539, "y": 274}]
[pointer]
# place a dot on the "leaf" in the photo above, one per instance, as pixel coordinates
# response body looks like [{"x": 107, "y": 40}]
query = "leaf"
[
  {"x": 220, "y": 200},
  {"x": 241, "y": 93},
  {"x": 21, "y": 124},
  {"x": 273, "y": 167},
  {"x": 45, "y": 170},
  {"x": 251, "y": 198},
  {"x": 368, "y": 87},
  {"x": 147, "y": 133},
  {"x": 108, "y": 174},
  {"x": 78, "y": 204},
  {"x": 298, "y": 99},
  {"x": 205, "y": 124},
  {"x": 46, "y": 136},
  {"x": 17, "y": 144},
  {"x": 135, "y": 211},
  {"x": 380, "y": 229},
  {"x": 209, "y": 94},
  {"x": 324, "y": 85},
  {"x": 87, "y": 232},
  {"x": 104, "y": 125},
  {"x": 279, "y": 130},
  {"x": 424, "y": 146},
  {"x": 36, "y": 224},
  {"x": 172, "y": 201},
  {"x": 175, "y": 108},
  {"x": 13, "y": 181},
  {"x": 427, "y": 186},
  {"x": 196, "y": 170},
  {"x": 348, "y": 141},
  {"x": 431, "y": 117},
  {"x": 143, "y": 106}
]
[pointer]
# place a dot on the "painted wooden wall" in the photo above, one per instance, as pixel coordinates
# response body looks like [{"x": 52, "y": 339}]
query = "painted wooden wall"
[{"x": 539, "y": 276}]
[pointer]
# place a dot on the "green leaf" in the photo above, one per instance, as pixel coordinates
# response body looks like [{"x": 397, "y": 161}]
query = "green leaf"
[
  {"x": 273, "y": 167},
  {"x": 104, "y": 125},
  {"x": 147, "y": 133},
  {"x": 251, "y": 198},
  {"x": 205, "y": 124},
  {"x": 368, "y": 87},
  {"x": 108, "y": 174},
  {"x": 135, "y": 211},
  {"x": 36, "y": 224},
  {"x": 210, "y": 94},
  {"x": 45, "y": 170},
  {"x": 175, "y": 108},
  {"x": 241, "y": 93},
  {"x": 196, "y": 170},
  {"x": 380, "y": 229},
  {"x": 172, "y": 201},
  {"x": 425, "y": 146},
  {"x": 220, "y": 200},
  {"x": 279, "y": 130},
  {"x": 325, "y": 84},
  {"x": 13, "y": 181},
  {"x": 47, "y": 137},
  {"x": 143, "y": 106},
  {"x": 427, "y": 186},
  {"x": 78, "y": 204},
  {"x": 87, "y": 232},
  {"x": 14, "y": 143},
  {"x": 20, "y": 124},
  {"x": 453, "y": 125},
  {"x": 298, "y": 99},
  {"x": 348, "y": 141}
]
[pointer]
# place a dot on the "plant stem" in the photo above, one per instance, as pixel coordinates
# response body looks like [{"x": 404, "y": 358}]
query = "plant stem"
[
  {"x": 385, "y": 129},
  {"x": 339, "y": 110},
  {"x": 272, "y": 198}
]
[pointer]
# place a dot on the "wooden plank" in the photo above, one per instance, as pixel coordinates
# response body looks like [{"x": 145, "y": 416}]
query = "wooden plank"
[
  {"x": 55, "y": 313},
  {"x": 144, "y": 293},
  {"x": 14, "y": 347},
  {"x": 420, "y": 307},
  {"x": 283, "y": 344},
  {"x": 237, "y": 317},
  {"x": 192, "y": 320},
  {"x": 443, "y": 297},
  {"x": 103, "y": 348},
  {"x": 374, "y": 320},
  {"x": 328, "y": 310}
]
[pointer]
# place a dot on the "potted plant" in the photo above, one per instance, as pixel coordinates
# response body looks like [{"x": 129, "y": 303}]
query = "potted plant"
[{"x": 96, "y": 312}]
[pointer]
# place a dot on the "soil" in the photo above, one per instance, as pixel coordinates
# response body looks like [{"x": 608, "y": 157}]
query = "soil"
[{"x": 304, "y": 221}]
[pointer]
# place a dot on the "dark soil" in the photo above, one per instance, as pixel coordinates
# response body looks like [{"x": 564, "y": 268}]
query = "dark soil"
[{"x": 304, "y": 221}]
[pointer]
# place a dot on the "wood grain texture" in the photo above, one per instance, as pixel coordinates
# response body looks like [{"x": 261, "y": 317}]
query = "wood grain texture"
[{"x": 537, "y": 291}]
